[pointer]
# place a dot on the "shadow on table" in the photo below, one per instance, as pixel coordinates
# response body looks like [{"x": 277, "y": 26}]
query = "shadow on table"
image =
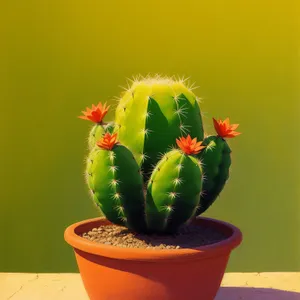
[{"x": 248, "y": 293}]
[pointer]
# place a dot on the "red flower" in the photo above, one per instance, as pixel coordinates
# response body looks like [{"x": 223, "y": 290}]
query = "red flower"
[
  {"x": 108, "y": 141},
  {"x": 224, "y": 129},
  {"x": 96, "y": 114},
  {"x": 189, "y": 145}
]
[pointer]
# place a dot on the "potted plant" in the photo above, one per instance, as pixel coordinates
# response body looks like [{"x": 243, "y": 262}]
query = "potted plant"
[{"x": 152, "y": 173}]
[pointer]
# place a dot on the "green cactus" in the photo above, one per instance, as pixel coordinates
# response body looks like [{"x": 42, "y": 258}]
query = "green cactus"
[
  {"x": 97, "y": 131},
  {"x": 216, "y": 162},
  {"x": 115, "y": 182},
  {"x": 173, "y": 192},
  {"x": 177, "y": 184},
  {"x": 152, "y": 113},
  {"x": 96, "y": 114}
]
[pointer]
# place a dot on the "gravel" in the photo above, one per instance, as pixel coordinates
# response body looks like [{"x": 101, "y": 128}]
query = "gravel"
[{"x": 189, "y": 236}]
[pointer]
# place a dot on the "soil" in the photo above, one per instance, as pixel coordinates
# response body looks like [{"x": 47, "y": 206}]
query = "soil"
[{"x": 187, "y": 237}]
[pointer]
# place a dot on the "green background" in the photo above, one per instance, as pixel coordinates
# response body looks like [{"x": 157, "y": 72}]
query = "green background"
[{"x": 57, "y": 57}]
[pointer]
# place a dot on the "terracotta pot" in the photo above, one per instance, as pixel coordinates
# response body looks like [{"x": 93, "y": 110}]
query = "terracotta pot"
[{"x": 114, "y": 273}]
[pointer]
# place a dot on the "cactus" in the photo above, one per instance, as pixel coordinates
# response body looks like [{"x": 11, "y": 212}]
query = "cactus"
[
  {"x": 216, "y": 163},
  {"x": 152, "y": 113},
  {"x": 174, "y": 188},
  {"x": 96, "y": 115},
  {"x": 156, "y": 142},
  {"x": 116, "y": 184},
  {"x": 97, "y": 131}
]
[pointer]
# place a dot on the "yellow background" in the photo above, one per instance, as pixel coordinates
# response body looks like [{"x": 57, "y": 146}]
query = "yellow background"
[{"x": 57, "y": 57}]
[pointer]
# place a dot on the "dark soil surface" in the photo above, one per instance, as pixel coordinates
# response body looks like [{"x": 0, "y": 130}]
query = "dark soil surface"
[{"x": 187, "y": 237}]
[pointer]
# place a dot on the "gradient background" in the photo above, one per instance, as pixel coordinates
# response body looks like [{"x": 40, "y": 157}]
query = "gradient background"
[{"x": 57, "y": 57}]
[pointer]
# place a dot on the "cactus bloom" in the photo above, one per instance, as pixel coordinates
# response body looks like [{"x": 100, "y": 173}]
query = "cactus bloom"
[
  {"x": 108, "y": 141},
  {"x": 224, "y": 129},
  {"x": 189, "y": 145},
  {"x": 96, "y": 114}
]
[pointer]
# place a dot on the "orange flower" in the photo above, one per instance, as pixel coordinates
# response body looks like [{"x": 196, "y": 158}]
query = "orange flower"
[
  {"x": 224, "y": 129},
  {"x": 189, "y": 145},
  {"x": 108, "y": 141},
  {"x": 96, "y": 114}
]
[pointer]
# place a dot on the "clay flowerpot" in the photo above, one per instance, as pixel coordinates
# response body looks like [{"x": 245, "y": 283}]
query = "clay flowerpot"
[{"x": 113, "y": 273}]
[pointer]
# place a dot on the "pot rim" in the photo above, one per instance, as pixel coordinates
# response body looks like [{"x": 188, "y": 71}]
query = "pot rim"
[{"x": 224, "y": 247}]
